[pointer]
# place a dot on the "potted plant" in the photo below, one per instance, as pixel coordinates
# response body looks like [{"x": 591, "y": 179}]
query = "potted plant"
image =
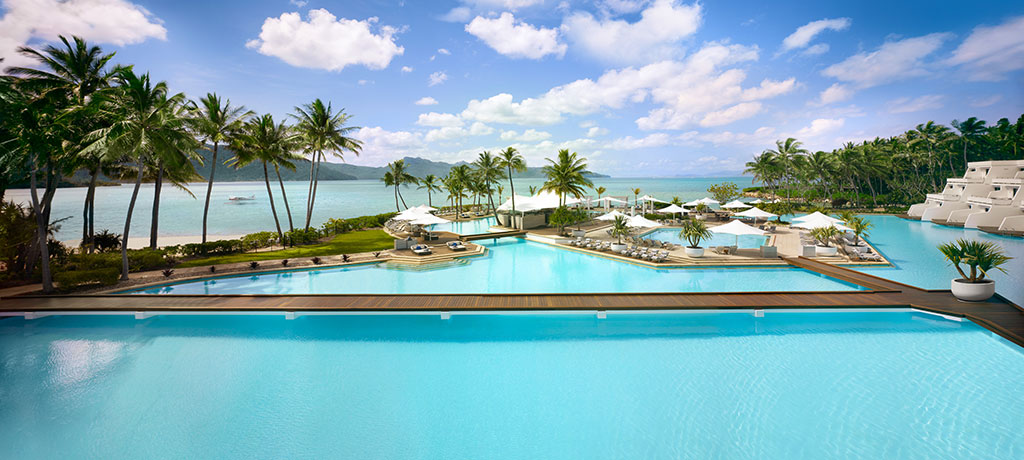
[
  {"x": 980, "y": 257},
  {"x": 700, "y": 210},
  {"x": 860, "y": 227},
  {"x": 825, "y": 235},
  {"x": 580, "y": 215},
  {"x": 694, "y": 231},
  {"x": 620, "y": 230}
]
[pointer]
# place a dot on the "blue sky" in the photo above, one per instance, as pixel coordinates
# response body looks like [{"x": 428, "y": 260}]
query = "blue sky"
[{"x": 641, "y": 87}]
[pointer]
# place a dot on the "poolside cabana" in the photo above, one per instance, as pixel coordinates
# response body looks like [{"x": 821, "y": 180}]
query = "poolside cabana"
[
  {"x": 735, "y": 204},
  {"x": 641, "y": 222},
  {"x": 758, "y": 201},
  {"x": 705, "y": 201},
  {"x": 611, "y": 215},
  {"x": 755, "y": 213},
  {"x": 672, "y": 209},
  {"x": 820, "y": 220},
  {"x": 817, "y": 215},
  {"x": 532, "y": 211},
  {"x": 606, "y": 200}
]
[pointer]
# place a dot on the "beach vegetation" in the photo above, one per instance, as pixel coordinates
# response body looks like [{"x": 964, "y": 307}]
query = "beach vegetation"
[
  {"x": 724, "y": 192},
  {"x": 979, "y": 257},
  {"x": 345, "y": 243},
  {"x": 566, "y": 176},
  {"x": 321, "y": 131}
]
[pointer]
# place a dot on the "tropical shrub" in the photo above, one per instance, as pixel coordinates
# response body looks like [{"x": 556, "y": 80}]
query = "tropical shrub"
[
  {"x": 561, "y": 218},
  {"x": 860, "y": 227},
  {"x": 724, "y": 192},
  {"x": 259, "y": 240},
  {"x": 825, "y": 235},
  {"x": 106, "y": 241},
  {"x": 694, "y": 231},
  {"x": 620, "y": 228},
  {"x": 980, "y": 257},
  {"x": 300, "y": 236},
  {"x": 73, "y": 279}
]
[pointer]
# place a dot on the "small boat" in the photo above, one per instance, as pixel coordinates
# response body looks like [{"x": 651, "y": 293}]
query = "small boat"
[{"x": 242, "y": 198}]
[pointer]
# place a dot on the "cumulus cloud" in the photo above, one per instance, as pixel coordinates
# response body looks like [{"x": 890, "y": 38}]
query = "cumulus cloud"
[
  {"x": 325, "y": 42},
  {"x": 406, "y": 69},
  {"x": 819, "y": 127},
  {"x": 803, "y": 35},
  {"x": 986, "y": 101},
  {"x": 655, "y": 36},
  {"x": 381, "y": 146},
  {"x": 893, "y": 61},
  {"x": 990, "y": 53},
  {"x": 530, "y": 135},
  {"x": 632, "y": 143},
  {"x": 917, "y": 104},
  {"x": 116, "y": 22},
  {"x": 426, "y": 101},
  {"x": 444, "y": 51},
  {"x": 728, "y": 115},
  {"x": 516, "y": 39},
  {"x": 835, "y": 93},
  {"x": 622, "y": 6},
  {"x": 298, "y": 3},
  {"x": 439, "y": 120},
  {"x": 437, "y": 78},
  {"x": 595, "y": 131}
]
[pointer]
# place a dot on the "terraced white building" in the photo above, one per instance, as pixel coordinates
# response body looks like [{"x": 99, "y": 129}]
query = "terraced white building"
[{"x": 988, "y": 197}]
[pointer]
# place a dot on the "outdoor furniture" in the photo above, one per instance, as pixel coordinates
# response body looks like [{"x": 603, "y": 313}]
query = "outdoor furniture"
[
  {"x": 421, "y": 249},
  {"x": 808, "y": 251},
  {"x": 456, "y": 246},
  {"x": 769, "y": 252}
]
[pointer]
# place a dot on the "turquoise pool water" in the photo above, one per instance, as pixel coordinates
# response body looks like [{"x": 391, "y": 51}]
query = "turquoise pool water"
[
  {"x": 466, "y": 227},
  {"x": 512, "y": 266},
  {"x": 672, "y": 236},
  {"x": 692, "y": 386}
]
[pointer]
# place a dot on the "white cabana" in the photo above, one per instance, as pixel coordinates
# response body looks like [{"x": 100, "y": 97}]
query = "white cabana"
[
  {"x": 542, "y": 200},
  {"x": 605, "y": 202},
  {"x": 818, "y": 216},
  {"x": 423, "y": 208},
  {"x": 758, "y": 201},
  {"x": 755, "y": 213},
  {"x": 641, "y": 222},
  {"x": 737, "y": 228},
  {"x": 705, "y": 201},
  {"x": 411, "y": 214},
  {"x": 735, "y": 204},
  {"x": 610, "y": 216},
  {"x": 651, "y": 199},
  {"x": 428, "y": 219},
  {"x": 672, "y": 209},
  {"x": 819, "y": 221}
]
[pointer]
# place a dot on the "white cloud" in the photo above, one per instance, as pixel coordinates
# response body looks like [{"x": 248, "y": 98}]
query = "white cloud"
[
  {"x": 516, "y": 39},
  {"x": 437, "y": 78},
  {"x": 622, "y": 6},
  {"x": 761, "y": 136},
  {"x": 446, "y": 133},
  {"x": 381, "y": 146},
  {"x": 986, "y": 101},
  {"x": 814, "y": 50},
  {"x": 117, "y": 22},
  {"x": 835, "y": 93},
  {"x": 326, "y": 42},
  {"x": 654, "y": 37},
  {"x": 480, "y": 129},
  {"x": 893, "y": 61},
  {"x": 917, "y": 104},
  {"x": 595, "y": 131},
  {"x": 439, "y": 120},
  {"x": 819, "y": 127},
  {"x": 805, "y": 33},
  {"x": 990, "y": 53},
  {"x": 298, "y": 3},
  {"x": 365, "y": 82},
  {"x": 725, "y": 116},
  {"x": 406, "y": 69},
  {"x": 444, "y": 52},
  {"x": 631, "y": 143},
  {"x": 457, "y": 14},
  {"x": 530, "y": 135},
  {"x": 426, "y": 101}
]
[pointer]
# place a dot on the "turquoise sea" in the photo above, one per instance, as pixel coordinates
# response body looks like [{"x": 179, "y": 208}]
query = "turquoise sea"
[{"x": 181, "y": 214}]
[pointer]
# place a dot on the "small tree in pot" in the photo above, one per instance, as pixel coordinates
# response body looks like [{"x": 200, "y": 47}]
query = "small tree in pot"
[
  {"x": 825, "y": 236},
  {"x": 620, "y": 230},
  {"x": 980, "y": 257},
  {"x": 694, "y": 231}
]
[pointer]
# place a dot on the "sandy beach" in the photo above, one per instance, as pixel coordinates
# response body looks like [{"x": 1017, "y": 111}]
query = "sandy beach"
[{"x": 139, "y": 242}]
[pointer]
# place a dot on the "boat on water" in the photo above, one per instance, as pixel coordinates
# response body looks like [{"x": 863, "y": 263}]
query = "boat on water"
[{"x": 242, "y": 198}]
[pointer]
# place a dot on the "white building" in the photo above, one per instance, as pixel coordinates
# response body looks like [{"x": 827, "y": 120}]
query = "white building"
[{"x": 987, "y": 195}]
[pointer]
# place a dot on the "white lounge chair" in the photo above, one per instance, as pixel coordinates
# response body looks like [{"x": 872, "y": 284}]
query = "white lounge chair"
[
  {"x": 456, "y": 246},
  {"x": 421, "y": 249}
]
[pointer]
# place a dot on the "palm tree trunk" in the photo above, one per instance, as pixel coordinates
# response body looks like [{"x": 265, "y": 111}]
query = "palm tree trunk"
[
  {"x": 206, "y": 207},
  {"x": 41, "y": 231},
  {"x": 965, "y": 154},
  {"x": 401, "y": 197},
  {"x": 154, "y": 225},
  {"x": 397, "y": 208},
  {"x": 309, "y": 194},
  {"x": 128, "y": 222},
  {"x": 85, "y": 211},
  {"x": 273, "y": 208},
  {"x": 512, "y": 186},
  {"x": 316, "y": 184},
  {"x": 284, "y": 196},
  {"x": 430, "y": 202}
]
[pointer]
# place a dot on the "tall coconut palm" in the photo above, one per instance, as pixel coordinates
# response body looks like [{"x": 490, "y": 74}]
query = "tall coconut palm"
[
  {"x": 77, "y": 71},
  {"x": 214, "y": 122},
  {"x": 460, "y": 179},
  {"x": 512, "y": 161},
  {"x": 145, "y": 127},
  {"x": 969, "y": 129},
  {"x": 286, "y": 159},
  {"x": 785, "y": 152},
  {"x": 566, "y": 176},
  {"x": 636, "y": 196},
  {"x": 263, "y": 140},
  {"x": 600, "y": 191},
  {"x": 765, "y": 169},
  {"x": 172, "y": 164},
  {"x": 431, "y": 184},
  {"x": 821, "y": 165},
  {"x": 489, "y": 170},
  {"x": 323, "y": 131},
  {"x": 397, "y": 176}
]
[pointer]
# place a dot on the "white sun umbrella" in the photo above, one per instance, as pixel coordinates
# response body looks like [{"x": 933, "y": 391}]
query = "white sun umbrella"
[
  {"x": 818, "y": 216},
  {"x": 606, "y": 200},
  {"x": 757, "y": 201},
  {"x": 755, "y": 213},
  {"x": 705, "y": 200},
  {"x": 672, "y": 209},
  {"x": 610, "y": 216},
  {"x": 411, "y": 214},
  {"x": 428, "y": 219},
  {"x": 819, "y": 221},
  {"x": 737, "y": 228},
  {"x": 423, "y": 208},
  {"x": 651, "y": 198},
  {"x": 735, "y": 204},
  {"x": 641, "y": 222}
]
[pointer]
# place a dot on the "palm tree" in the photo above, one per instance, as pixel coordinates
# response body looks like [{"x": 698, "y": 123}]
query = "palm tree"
[
  {"x": 533, "y": 190},
  {"x": 821, "y": 164},
  {"x": 765, "y": 169},
  {"x": 215, "y": 121},
  {"x": 76, "y": 71},
  {"x": 784, "y": 154},
  {"x": 600, "y": 191},
  {"x": 432, "y": 184},
  {"x": 566, "y": 176},
  {"x": 145, "y": 127},
  {"x": 461, "y": 178},
  {"x": 636, "y": 196},
  {"x": 323, "y": 131},
  {"x": 397, "y": 176},
  {"x": 286, "y": 159},
  {"x": 969, "y": 129},
  {"x": 177, "y": 166},
  {"x": 488, "y": 170},
  {"x": 511, "y": 160},
  {"x": 263, "y": 140},
  {"x": 860, "y": 227}
]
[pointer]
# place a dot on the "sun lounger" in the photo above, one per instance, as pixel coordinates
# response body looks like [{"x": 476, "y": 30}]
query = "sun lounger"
[
  {"x": 421, "y": 249},
  {"x": 456, "y": 246},
  {"x": 769, "y": 252}
]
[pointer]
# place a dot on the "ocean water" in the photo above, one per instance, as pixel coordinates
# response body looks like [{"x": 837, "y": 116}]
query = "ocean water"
[
  {"x": 892, "y": 385},
  {"x": 181, "y": 214}
]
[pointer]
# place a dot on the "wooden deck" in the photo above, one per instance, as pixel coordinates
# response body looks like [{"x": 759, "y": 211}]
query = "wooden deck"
[
  {"x": 996, "y": 314},
  {"x": 491, "y": 235}
]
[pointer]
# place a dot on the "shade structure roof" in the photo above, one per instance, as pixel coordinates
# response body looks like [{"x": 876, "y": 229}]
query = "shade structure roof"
[
  {"x": 757, "y": 201},
  {"x": 820, "y": 221},
  {"x": 756, "y": 213},
  {"x": 651, "y": 198},
  {"x": 610, "y": 216},
  {"x": 641, "y": 222},
  {"x": 542, "y": 200},
  {"x": 705, "y": 200},
  {"x": 424, "y": 208},
  {"x": 735, "y": 204},
  {"x": 428, "y": 219},
  {"x": 411, "y": 214},
  {"x": 737, "y": 228},
  {"x": 672, "y": 209},
  {"x": 607, "y": 199},
  {"x": 817, "y": 216}
]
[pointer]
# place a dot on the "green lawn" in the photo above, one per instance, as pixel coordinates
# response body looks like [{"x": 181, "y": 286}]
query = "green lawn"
[{"x": 345, "y": 243}]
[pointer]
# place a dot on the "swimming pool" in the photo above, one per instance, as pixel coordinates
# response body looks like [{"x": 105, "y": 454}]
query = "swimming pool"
[
  {"x": 718, "y": 239},
  {"x": 512, "y": 265},
  {"x": 466, "y": 227},
  {"x": 725, "y": 385}
]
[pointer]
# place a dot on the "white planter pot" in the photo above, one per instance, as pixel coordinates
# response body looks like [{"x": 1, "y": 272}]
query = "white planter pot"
[
  {"x": 972, "y": 292},
  {"x": 693, "y": 252},
  {"x": 618, "y": 247},
  {"x": 579, "y": 233},
  {"x": 826, "y": 250}
]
